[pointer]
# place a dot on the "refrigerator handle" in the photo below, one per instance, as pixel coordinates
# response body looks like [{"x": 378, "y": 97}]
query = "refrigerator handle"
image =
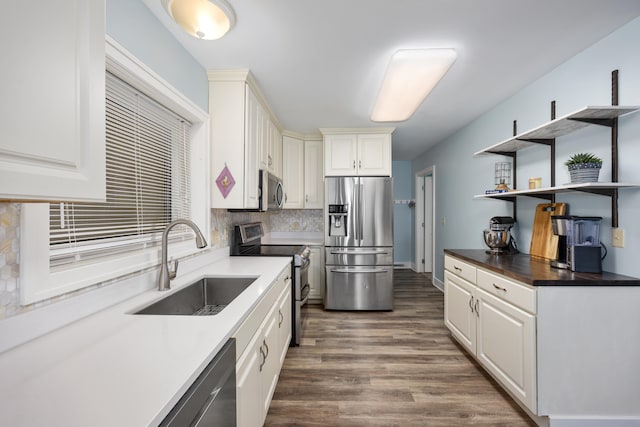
[{"x": 361, "y": 211}]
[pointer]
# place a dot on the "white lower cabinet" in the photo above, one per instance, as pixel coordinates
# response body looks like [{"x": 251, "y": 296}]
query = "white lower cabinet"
[
  {"x": 506, "y": 346},
  {"x": 268, "y": 331},
  {"x": 483, "y": 317}
]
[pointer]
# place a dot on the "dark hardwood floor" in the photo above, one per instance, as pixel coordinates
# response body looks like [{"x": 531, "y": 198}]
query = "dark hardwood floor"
[{"x": 398, "y": 368}]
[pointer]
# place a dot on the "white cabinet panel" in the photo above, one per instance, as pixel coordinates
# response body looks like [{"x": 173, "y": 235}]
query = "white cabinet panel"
[
  {"x": 341, "y": 152},
  {"x": 284, "y": 321},
  {"x": 459, "y": 315},
  {"x": 313, "y": 175},
  {"x": 506, "y": 346},
  {"x": 292, "y": 172},
  {"x": 52, "y": 108},
  {"x": 374, "y": 154},
  {"x": 249, "y": 385},
  {"x": 316, "y": 273}
]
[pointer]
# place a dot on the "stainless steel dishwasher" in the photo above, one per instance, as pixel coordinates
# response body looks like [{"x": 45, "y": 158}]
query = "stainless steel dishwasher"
[{"x": 211, "y": 399}]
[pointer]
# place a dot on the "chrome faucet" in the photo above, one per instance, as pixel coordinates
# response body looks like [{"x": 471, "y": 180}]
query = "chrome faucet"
[{"x": 166, "y": 275}]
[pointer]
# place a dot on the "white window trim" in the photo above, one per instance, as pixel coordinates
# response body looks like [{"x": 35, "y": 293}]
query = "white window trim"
[{"x": 37, "y": 281}]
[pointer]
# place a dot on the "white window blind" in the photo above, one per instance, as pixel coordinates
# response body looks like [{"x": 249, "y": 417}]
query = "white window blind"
[{"x": 148, "y": 184}]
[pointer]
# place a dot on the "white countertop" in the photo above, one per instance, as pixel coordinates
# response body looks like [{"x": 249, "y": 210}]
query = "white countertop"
[
  {"x": 117, "y": 369},
  {"x": 293, "y": 238}
]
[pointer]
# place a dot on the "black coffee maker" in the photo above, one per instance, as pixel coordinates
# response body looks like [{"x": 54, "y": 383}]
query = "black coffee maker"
[{"x": 579, "y": 247}]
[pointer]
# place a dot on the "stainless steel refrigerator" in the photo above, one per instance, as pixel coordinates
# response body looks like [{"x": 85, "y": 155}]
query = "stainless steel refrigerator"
[{"x": 358, "y": 226}]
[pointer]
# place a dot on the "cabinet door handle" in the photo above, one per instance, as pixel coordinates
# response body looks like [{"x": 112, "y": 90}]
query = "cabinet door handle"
[
  {"x": 476, "y": 308},
  {"x": 471, "y": 304},
  {"x": 354, "y": 164},
  {"x": 263, "y": 358},
  {"x": 499, "y": 288},
  {"x": 281, "y": 318},
  {"x": 360, "y": 164},
  {"x": 306, "y": 198},
  {"x": 456, "y": 268},
  {"x": 267, "y": 348}
]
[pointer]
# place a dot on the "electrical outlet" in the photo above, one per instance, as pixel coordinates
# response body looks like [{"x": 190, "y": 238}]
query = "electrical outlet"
[{"x": 617, "y": 237}]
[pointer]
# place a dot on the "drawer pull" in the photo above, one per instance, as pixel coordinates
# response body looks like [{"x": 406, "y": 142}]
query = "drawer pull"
[
  {"x": 499, "y": 288},
  {"x": 264, "y": 358},
  {"x": 456, "y": 268}
]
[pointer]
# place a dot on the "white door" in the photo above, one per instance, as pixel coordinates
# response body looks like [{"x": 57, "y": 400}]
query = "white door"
[
  {"x": 374, "y": 154},
  {"x": 284, "y": 322},
  {"x": 249, "y": 400},
  {"x": 428, "y": 224},
  {"x": 292, "y": 173},
  {"x": 313, "y": 173},
  {"x": 506, "y": 346},
  {"x": 459, "y": 311},
  {"x": 340, "y": 155}
]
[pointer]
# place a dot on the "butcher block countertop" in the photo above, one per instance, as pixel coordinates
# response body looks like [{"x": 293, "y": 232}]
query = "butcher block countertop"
[{"x": 538, "y": 272}]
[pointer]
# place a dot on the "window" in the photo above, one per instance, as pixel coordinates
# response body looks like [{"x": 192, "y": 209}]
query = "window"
[
  {"x": 169, "y": 180},
  {"x": 148, "y": 182}
]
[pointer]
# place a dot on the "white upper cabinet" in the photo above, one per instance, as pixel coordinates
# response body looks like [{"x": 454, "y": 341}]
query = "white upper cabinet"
[
  {"x": 52, "y": 108},
  {"x": 351, "y": 152},
  {"x": 313, "y": 174},
  {"x": 244, "y": 139},
  {"x": 292, "y": 172}
]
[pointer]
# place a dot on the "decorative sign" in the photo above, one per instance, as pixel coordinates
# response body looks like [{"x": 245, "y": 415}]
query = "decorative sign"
[{"x": 225, "y": 182}]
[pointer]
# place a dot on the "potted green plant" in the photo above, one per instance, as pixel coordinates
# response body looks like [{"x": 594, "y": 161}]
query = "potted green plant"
[{"x": 584, "y": 167}]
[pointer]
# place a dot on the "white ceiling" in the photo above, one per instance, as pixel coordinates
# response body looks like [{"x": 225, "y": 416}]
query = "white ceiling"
[{"x": 320, "y": 62}]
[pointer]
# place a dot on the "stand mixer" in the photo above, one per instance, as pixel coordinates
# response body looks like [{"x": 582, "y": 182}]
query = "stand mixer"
[{"x": 498, "y": 236}]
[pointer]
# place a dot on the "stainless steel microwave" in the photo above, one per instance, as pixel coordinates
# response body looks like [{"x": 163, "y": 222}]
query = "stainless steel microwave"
[{"x": 271, "y": 191}]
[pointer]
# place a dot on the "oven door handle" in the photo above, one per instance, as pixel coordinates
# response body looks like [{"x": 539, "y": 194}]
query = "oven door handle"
[{"x": 304, "y": 294}]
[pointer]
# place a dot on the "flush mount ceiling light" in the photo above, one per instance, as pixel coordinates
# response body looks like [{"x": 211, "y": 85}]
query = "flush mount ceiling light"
[
  {"x": 410, "y": 76},
  {"x": 204, "y": 19}
]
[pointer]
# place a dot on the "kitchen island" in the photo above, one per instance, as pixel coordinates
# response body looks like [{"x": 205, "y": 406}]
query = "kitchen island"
[
  {"x": 563, "y": 344},
  {"x": 114, "y": 368}
]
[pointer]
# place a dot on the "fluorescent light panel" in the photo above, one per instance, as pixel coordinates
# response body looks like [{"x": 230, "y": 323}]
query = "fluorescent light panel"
[
  {"x": 204, "y": 19},
  {"x": 410, "y": 76}
]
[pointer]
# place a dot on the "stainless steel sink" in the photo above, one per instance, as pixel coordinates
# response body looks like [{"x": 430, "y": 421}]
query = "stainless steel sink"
[{"x": 206, "y": 297}]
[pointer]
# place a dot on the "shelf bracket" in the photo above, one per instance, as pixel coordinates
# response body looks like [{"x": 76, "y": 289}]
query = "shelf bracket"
[
  {"x": 601, "y": 122},
  {"x": 543, "y": 141},
  {"x": 614, "y": 150}
]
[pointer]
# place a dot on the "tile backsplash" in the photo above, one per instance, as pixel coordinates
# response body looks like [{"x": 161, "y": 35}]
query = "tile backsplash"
[
  {"x": 9, "y": 258},
  {"x": 221, "y": 225}
]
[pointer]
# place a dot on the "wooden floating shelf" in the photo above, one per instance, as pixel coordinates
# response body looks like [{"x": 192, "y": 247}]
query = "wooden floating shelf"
[
  {"x": 603, "y": 188},
  {"x": 562, "y": 126}
]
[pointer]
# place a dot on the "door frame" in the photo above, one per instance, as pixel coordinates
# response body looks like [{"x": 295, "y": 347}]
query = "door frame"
[{"x": 419, "y": 215}]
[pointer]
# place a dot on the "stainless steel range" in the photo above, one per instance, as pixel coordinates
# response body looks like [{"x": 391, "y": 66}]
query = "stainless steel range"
[{"x": 247, "y": 242}]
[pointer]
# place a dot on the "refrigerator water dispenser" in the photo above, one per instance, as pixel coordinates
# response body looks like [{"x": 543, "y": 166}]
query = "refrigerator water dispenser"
[{"x": 338, "y": 220}]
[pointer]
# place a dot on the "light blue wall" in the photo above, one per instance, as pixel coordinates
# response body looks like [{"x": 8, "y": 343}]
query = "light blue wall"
[
  {"x": 135, "y": 27},
  {"x": 581, "y": 81},
  {"x": 402, "y": 214}
]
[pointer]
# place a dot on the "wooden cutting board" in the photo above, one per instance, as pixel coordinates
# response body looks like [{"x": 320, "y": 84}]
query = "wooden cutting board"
[{"x": 544, "y": 243}]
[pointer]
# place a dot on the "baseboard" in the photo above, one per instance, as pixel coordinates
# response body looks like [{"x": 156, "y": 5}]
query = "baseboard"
[
  {"x": 406, "y": 264},
  {"x": 593, "y": 422},
  {"x": 438, "y": 284}
]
